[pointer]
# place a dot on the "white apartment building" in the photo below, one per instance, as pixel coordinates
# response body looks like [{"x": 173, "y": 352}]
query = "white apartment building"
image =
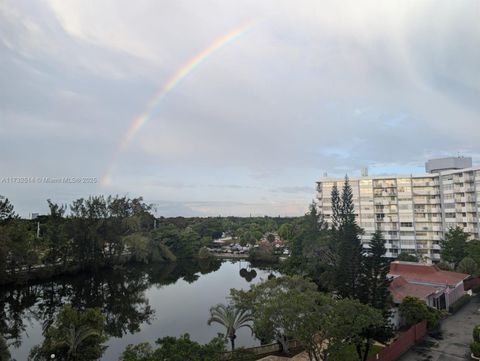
[{"x": 413, "y": 211}]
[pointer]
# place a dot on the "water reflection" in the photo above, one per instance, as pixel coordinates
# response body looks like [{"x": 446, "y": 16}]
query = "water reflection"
[{"x": 118, "y": 293}]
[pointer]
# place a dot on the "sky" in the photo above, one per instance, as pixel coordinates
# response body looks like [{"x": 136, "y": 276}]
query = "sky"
[{"x": 306, "y": 88}]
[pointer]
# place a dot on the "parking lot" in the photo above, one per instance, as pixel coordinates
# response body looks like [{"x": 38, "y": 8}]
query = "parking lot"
[{"x": 454, "y": 340}]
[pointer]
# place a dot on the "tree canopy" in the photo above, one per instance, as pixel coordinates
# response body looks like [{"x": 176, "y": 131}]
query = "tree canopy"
[
  {"x": 76, "y": 335},
  {"x": 175, "y": 349},
  {"x": 454, "y": 246}
]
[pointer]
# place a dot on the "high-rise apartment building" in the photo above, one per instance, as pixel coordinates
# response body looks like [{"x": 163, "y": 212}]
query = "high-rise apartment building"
[{"x": 413, "y": 211}]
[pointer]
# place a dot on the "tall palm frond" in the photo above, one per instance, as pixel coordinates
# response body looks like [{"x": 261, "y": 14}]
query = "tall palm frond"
[
  {"x": 75, "y": 336},
  {"x": 231, "y": 318}
]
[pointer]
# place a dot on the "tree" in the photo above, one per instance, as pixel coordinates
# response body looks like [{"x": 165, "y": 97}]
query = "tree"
[
  {"x": 291, "y": 307},
  {"x": 270, "y": 237},
  {"x": 475, "y": 345},
  {"x": 6, "y": 209},
  {"x": 283, "y": 308},
  {"x": 413, "y": 310},
  {"x": 232, "y": 318},
  {"x": 375, "y": 287},
  {"x": 175, "y": 349},
  {"x": 336, "y": 208},
  {"x": 56, "y": 241},
  {"x": 350, "y": 250},
  {"x": 285, "y": 231},
  {"x": 375, "y": 269},
  {"x": 76, "y": 335},
  {"x": 468, "y": 266},
  {"x": 454, "y": 246},
  {"x": 473, "y": 250},
  {"x": 445, "y": 266},
  {"x": 273, "y": 306},
  {"x": 4, "y": 352},
  {"x": 263, "y": 253},
  {"x": 351, "y": 323},
  {"x": 138, "y": 247},
  {"x": 406, "y": 257},
  {"x": 311, "y": 249}
]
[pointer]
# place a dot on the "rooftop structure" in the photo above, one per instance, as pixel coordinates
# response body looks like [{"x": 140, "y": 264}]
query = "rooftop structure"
[
  {"x": 438, "y": 288},
  {"x": 424, "y": 274},
  {"x": 400, "y": 288},
  {"x": 450, "y": 163}
]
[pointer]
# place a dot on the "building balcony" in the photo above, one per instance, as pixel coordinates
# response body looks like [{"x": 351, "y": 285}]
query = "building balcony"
[
  {"x": 383, "y": 228},
  {"x": 408, "y": 246},
  {"x": 424, "y": 192},
  {"x": 384, "y": 202},
  {"x": 379, "y": 185}
]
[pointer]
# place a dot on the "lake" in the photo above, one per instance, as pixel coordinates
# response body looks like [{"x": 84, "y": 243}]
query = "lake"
[{"x": 140, "y": 303}]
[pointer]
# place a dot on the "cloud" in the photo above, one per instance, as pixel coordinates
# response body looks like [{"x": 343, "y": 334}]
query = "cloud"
[{"x": 314, "y": 87}]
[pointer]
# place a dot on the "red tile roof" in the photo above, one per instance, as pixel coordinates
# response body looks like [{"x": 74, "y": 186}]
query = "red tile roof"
[
  {"x": 400, "y": 288},
  {"x": 427, "y": 274}
]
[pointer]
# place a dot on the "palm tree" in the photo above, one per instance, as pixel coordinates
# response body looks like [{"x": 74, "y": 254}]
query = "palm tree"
[
  {"x": 74, "y": 337},
  {"x": 231, "y": 318}
]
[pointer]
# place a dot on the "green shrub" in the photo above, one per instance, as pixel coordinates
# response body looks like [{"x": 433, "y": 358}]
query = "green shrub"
[
  {"x": 243, "y": 354},
  {"x": 476, "y": 333},
  {"x": 475, "y": 348},
  {"x": 262, "y": 254},
  {"x": 476, "y": 289},
  {"x": 458, "y": 304},
  {"x": 413, "y": 310},
  {"x": 204, "y": 253}
]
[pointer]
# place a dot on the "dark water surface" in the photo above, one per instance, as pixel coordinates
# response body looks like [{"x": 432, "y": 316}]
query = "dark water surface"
[{"x": 140, "y": 303}]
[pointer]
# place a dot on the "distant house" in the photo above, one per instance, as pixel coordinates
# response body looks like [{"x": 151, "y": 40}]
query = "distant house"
[
  {"x": 437, "y": 288},
  {"x": 400, "y": 288}
]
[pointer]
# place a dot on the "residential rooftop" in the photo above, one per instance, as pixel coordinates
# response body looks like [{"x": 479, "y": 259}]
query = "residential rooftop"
[{"x": 425, "y": 274}]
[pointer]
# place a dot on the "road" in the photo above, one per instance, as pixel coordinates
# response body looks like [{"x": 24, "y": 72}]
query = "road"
[{"x": 454, "y": 340}]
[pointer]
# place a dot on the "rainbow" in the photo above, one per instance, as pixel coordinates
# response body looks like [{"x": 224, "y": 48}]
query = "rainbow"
[{"x": 141, "y": 119}]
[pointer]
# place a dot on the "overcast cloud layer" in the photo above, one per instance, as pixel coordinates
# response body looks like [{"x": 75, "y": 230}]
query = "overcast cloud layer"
[{"x": 314, "y": 86}]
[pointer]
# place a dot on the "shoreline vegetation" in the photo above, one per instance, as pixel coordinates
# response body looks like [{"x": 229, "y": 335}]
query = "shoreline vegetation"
[{"x": 104, "y": 232}]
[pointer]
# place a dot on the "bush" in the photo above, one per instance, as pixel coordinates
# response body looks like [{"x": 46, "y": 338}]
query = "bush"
[
  {"x": 204, "y": 253},
  {"x": 468, "y": 266},
  {"x": 476, "y": 289},
  {"x": 413, "y": 310},
  {"x": 445, "y": 266},
  {"x": 476, "y": 333},
  {"x": 262, "y": 254},
  {"x": 458, "y": 304},
  {"x": 475, "y": 348}
]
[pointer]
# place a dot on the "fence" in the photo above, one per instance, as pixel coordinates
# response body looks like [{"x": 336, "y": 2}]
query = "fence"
[
  {"x": 265, "y": 350},
  {"x": 402, "y": 344}
]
